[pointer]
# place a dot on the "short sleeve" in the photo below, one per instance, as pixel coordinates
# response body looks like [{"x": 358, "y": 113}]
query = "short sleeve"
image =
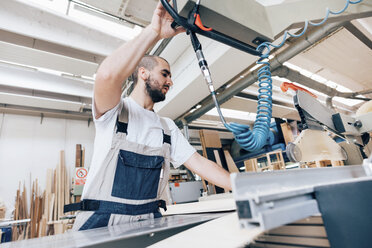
[
  {"x": 181, "y": 150},
  {"x": 106, "y": 117}
]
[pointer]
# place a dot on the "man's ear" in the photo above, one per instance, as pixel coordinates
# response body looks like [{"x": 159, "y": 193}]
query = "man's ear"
[{"x": 143, "y": 73}]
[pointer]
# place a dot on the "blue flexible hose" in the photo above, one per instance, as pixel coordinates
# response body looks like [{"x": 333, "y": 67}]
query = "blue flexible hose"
[{"x": 257, "y": 138}]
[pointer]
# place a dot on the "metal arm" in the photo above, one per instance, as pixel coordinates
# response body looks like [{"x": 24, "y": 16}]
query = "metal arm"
[{"x": 213, "y": 34}]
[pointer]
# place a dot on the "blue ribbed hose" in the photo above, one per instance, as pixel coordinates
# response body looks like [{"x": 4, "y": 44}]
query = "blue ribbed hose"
[{"x": 255, "y": 139}]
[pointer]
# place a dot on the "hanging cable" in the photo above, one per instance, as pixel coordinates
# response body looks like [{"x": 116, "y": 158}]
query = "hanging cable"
[{"x": 255, "y": 139}]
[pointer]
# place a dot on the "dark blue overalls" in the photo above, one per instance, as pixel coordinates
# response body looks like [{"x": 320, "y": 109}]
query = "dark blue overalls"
[{"x": 130, "y": 183}]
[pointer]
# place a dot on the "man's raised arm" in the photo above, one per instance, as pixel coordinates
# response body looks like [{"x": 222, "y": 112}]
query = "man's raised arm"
[{"x": 121, "y": 63}]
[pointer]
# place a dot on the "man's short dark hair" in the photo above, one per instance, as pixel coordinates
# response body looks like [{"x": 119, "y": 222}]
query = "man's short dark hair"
[{"x": 148, "y": 62}]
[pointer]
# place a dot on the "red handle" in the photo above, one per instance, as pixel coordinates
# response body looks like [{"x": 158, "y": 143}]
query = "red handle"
[
  {"x": 285, "y": 86},
  {"x": 199, "y": 23}
]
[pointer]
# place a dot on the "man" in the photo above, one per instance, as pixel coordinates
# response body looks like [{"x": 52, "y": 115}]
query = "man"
[{"x": 133, "y": 145}]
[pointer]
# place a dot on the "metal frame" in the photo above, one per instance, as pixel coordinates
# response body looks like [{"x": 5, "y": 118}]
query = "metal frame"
[
  {"x": 275, "y": 198},
  {"x": 215, "y": 35},
  {"x": 137, "y": 234}
]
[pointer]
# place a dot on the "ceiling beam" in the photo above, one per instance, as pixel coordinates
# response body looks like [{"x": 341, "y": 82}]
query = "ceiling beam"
[
  {"x": 358, "y": 34},
  {"x": 36, "y": 58},
  {"x": 295, "y": 76},
  {"x": 22, "y": 18},
  {"x": 40, "y": 102},
  {"x": 26, "y": 41},
  {"x": 36, "y": 80},
  {"x": 31, "y": 111}
]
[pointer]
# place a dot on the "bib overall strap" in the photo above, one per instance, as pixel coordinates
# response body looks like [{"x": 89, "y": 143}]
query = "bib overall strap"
[
  {"x": 115, "y": 207},
  {"x": 166, "y": 132},
  {"x": 122, "y": 120}
]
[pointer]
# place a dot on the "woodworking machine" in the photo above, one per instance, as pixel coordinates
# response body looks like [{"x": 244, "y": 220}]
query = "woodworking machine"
[{"x": 314, "y": 144}]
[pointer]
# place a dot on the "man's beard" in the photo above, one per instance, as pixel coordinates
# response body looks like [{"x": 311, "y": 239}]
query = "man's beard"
[{"x": 155, "y": 93}]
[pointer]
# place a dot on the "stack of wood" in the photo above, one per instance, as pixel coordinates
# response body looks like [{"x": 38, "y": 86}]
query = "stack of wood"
[
  {"x": 20, "y": 213},
  {"x": 2, "y": 212},
  {"x": 212, "y": 149},
  {"x": 46, "y": 208},
  {"x": 266, "y": 162},
  {"x": 322, "y": 163},
  {"x": 79, "y": 162},
  {"x": 80, "y": 156}
]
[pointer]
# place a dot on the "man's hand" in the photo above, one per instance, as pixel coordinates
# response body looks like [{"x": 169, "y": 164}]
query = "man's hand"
[{"x": 161, "y": 23}]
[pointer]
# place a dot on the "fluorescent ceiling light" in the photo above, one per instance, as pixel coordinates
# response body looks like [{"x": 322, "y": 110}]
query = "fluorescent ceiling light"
[
  {"x": 90, "y": 18},
  {"x": 350, "y": 102},
  {"x": 105, "y": 25},
  {"x": 40, "y": 102},
  {"x": 329, "y": 83},
  {"x": 229, "y": 113},
  {"x": 103, "y": 15}
]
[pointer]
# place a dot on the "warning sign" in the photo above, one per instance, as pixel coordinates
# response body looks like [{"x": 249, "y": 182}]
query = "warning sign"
[{"x": 80, "y": 176}]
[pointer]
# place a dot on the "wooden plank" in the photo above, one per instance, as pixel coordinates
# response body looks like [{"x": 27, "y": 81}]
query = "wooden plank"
[
  {"x": 287, "y": 132},
  {"x": 58, "y": 228},
  {"x": 210, "y": 138},
  {"x": 202, "y": 140},
  {"x": 282, "y": 161},
  {"x": 289, "y": 240},
  {"x": 83, "y": 157},
  {"x": 24, "y": 201},
  {"x": 55, "y": 206},
  {"x": 297, "y": 230},
  {"x": 337, "y": 163},
  {"x": 43, "y": 227},
  {"x": 217, "y": 156},
  {"x": 60, "y": 186},
  {"x": 51, "y": 207},
  {"x": 251, "y": 165},
  {"x": 78, "y": 156},
  {"x": 32, "y": 211},
  {"x": 16, "y": 210},
  {"x": 230, "y": 162},
  {"x": 218, "y": 161},
  {"x": 67, "y": 188}
]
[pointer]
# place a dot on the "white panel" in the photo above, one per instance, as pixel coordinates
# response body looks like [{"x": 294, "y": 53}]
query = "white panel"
[
  {"x": 21, "y": 18},
  {"x": 38, "y": 102},
  {"x": 45, "y": 82},
  {"x": 28, "y": 147},
  {"x": 342, "y": 58},
  {"x": 36, "y": 58}
]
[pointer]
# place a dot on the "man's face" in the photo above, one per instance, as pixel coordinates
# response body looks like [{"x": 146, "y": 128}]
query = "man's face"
[{"x": 159, "y": 81}]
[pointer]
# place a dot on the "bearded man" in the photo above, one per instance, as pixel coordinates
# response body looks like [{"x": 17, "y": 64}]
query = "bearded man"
[{"x": 134, "y": 146}]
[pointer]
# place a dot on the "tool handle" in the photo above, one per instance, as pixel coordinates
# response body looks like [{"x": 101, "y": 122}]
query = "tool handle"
[{"x": 285, "y": 86}]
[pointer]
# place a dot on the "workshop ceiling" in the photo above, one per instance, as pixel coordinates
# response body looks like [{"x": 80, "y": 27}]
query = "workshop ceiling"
[{"x": 50, "y": 50}]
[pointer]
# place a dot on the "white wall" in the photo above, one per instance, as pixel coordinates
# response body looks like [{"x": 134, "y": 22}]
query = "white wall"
[{"x": 29, "y": 146}]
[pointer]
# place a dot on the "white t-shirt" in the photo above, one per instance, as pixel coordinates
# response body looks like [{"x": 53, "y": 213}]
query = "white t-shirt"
[{"x": 144, "y": 127}]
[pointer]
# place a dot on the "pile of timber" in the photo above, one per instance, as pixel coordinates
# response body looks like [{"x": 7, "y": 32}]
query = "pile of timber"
[
  {"x": 46, "y": 207},
  {"x": 212, "y": 150}
]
